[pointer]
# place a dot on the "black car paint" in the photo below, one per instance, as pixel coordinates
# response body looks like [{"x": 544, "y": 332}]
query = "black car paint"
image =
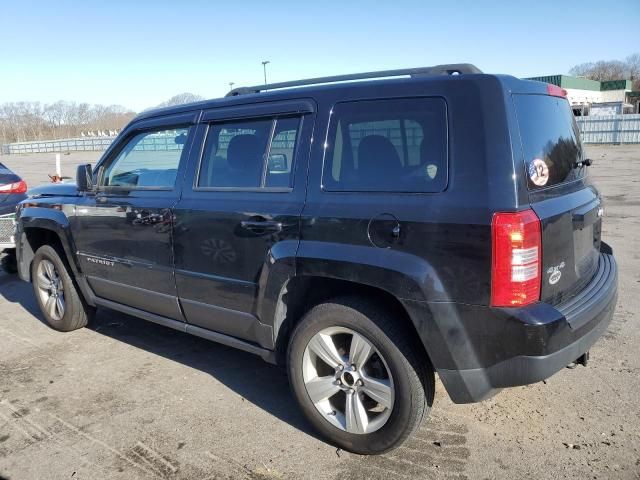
[
  {"x": 224, "y": 265},
  {"x": 434, "y": 257}
]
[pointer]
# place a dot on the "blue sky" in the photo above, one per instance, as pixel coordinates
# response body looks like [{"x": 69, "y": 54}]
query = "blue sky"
[{"x": 139, "y": 53}]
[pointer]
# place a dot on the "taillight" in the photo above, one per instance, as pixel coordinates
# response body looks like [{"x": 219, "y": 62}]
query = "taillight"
[
  {"x": 517, "y": 258},
  {"x": 556, "y": 91},
  {"x": 17, "y": 187}
]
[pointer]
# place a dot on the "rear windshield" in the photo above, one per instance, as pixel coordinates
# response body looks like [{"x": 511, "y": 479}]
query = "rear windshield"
[{"x": 550, "y": 140}]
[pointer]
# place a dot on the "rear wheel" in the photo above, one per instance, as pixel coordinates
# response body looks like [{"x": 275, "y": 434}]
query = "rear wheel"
[
  {"x": 358, "y": 376},
  {"x": 57, "y": 295}
]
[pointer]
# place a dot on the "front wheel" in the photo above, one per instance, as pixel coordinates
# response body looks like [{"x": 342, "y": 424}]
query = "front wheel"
[
  {"x": 358, "y": 376},
  {"x": 58, "y": 298}
]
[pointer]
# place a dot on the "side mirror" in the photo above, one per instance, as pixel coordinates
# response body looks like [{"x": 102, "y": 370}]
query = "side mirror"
[
  {"x": 277, "y": 163},
  {"x": 84, "y": 178}
]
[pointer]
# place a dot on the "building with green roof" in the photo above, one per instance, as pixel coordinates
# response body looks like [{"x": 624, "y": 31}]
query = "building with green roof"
[{"x": 586, "y": 95}]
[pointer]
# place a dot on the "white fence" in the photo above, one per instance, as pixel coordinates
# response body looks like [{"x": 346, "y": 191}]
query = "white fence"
[
  {"x": 614, "y": 129},
  {"x": 610, "y": 128},
  {"x": 66, "y": 145}
]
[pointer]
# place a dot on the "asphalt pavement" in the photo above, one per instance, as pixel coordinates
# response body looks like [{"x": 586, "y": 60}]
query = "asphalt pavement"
[{"x": 127, "y": 399}]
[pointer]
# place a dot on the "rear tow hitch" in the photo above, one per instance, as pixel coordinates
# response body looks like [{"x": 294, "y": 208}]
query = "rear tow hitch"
[{"x": 581, "y": 360}]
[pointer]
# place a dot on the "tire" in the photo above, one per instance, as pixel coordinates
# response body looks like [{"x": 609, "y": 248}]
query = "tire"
[
  {"x": 75, "y": 313},
  {"x": 408, "y": 382},
  {"x": 9, "y": 263}
]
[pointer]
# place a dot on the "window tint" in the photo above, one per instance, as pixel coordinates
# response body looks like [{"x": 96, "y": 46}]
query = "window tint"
[
  {"x": 282, "y": 153},
  {"x": 235, "y": 154},
  {"x": 148, "y": 160},
  {"x": 550, "y": 140},
  {"x": 387, "y": 145}
]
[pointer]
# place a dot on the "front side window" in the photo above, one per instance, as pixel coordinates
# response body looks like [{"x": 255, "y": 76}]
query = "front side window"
[
  {"x": 148, "y": 160},
  {"x": 388, "y": 146},
  {"x": 249, "y": 154}
]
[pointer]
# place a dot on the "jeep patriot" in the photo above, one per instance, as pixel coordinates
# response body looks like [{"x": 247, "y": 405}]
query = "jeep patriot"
[{"x": 364, "y": 231}]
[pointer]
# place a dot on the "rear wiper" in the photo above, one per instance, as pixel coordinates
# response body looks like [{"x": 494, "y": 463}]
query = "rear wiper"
[{"x": 587, "y": 162}]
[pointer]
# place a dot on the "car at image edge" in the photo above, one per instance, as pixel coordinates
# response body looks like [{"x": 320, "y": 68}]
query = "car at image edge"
[{"x": 12, "y": 191}]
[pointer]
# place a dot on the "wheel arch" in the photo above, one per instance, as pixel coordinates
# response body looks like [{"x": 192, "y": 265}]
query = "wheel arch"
[
  {"x": 303, "y": 292},
  {"x": 43, "y": 226}
]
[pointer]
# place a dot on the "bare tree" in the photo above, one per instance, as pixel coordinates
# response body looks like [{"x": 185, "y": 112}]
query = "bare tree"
[
  {"x": 633, "y": 69},
  {"x": 181, "y": 98},
  {"x": 25, "y": 121},
  {"x": 602, "y": 70}
]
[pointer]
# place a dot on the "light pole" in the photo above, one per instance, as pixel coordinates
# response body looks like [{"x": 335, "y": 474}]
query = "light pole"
[
  {"x": 231, "y": 84},
  {"x": 264, "y": 68}
]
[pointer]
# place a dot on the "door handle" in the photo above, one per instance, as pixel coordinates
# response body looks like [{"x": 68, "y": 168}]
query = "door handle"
[{"x": 262, "y": 225}]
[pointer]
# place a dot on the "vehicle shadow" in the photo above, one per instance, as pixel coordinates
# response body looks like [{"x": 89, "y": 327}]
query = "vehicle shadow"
[{"x": 256, "y": 381}]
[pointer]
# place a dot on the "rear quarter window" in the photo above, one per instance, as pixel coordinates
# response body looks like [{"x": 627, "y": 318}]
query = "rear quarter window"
[
  {"x": 390, "y": 145},
  {"x": 550, "y": 140}
]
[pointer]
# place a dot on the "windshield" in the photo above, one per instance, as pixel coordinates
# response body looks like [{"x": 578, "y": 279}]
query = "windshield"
[{"x": 550, "y": 140}]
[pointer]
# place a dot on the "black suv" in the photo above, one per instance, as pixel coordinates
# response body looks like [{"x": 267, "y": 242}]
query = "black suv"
[{"x": 366, "y": 234}]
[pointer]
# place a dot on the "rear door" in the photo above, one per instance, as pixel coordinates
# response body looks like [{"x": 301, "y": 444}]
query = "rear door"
[
  {"x": 238, "y": 219},
  {"x": 559, "y": 192}
]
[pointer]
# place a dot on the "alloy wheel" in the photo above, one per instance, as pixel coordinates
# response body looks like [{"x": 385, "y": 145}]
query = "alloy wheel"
[
  {"x": 50, "y": 289},
  {"x": 348, "y": 380}
]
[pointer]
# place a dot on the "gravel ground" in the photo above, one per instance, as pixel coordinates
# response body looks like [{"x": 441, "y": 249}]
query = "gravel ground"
[{"x": 126, "y": 399}]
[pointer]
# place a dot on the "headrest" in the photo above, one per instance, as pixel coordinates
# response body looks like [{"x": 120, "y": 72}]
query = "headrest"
[
  {"x": 378, "y": 157},
  {"x": 244, "y": 151}
]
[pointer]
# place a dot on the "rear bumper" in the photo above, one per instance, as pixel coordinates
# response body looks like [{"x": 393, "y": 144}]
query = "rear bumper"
[{"x": 488, "y": 349}]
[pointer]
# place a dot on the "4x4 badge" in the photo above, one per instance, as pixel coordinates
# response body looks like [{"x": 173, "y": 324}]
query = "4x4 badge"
[{"x": 555, "y": 273}]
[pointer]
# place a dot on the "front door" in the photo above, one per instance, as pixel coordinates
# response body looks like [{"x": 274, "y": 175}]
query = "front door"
[
  {"x": 237, "y": 222},
  {"x": 123, "y": 231}
]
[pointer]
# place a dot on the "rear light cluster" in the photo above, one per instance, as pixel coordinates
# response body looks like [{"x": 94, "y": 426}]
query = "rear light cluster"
[
  {"x": 17, "y": 187},
  {"x": 517, "y": 259}
]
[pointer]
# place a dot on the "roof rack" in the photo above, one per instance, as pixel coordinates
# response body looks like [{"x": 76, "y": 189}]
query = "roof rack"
[{"x": 449, "y": 69}]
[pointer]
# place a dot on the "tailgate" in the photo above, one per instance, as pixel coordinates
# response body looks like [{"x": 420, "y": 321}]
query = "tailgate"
[
  {"x": 571, "y": 227},
  {"x": 569, "y": 210}
]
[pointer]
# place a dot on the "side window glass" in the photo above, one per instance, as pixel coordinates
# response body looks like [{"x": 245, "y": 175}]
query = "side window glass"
[
  {"x": 234, "y": 154},
  {"x": 389, "y": 129},
  {"x": 249, "y": 154},
  {"x": 414, "y": 138},
  {"x": 149, "y": 160},
  {"x": 282, "y": 153},
  {"x": 387, "y": 146}
]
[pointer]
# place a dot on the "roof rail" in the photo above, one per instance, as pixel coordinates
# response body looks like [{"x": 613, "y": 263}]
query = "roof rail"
[{"x": 449, "y": 69}]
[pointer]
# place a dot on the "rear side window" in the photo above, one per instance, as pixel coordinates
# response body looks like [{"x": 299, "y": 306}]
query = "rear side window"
[
  {"x": 550, "y": 140},
  {"x": 387, "y": 146},
  {"x": 249, "y": 154}
]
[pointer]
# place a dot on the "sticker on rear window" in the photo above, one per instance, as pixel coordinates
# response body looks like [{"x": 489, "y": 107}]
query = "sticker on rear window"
[{"x": 538, "y": 172}]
